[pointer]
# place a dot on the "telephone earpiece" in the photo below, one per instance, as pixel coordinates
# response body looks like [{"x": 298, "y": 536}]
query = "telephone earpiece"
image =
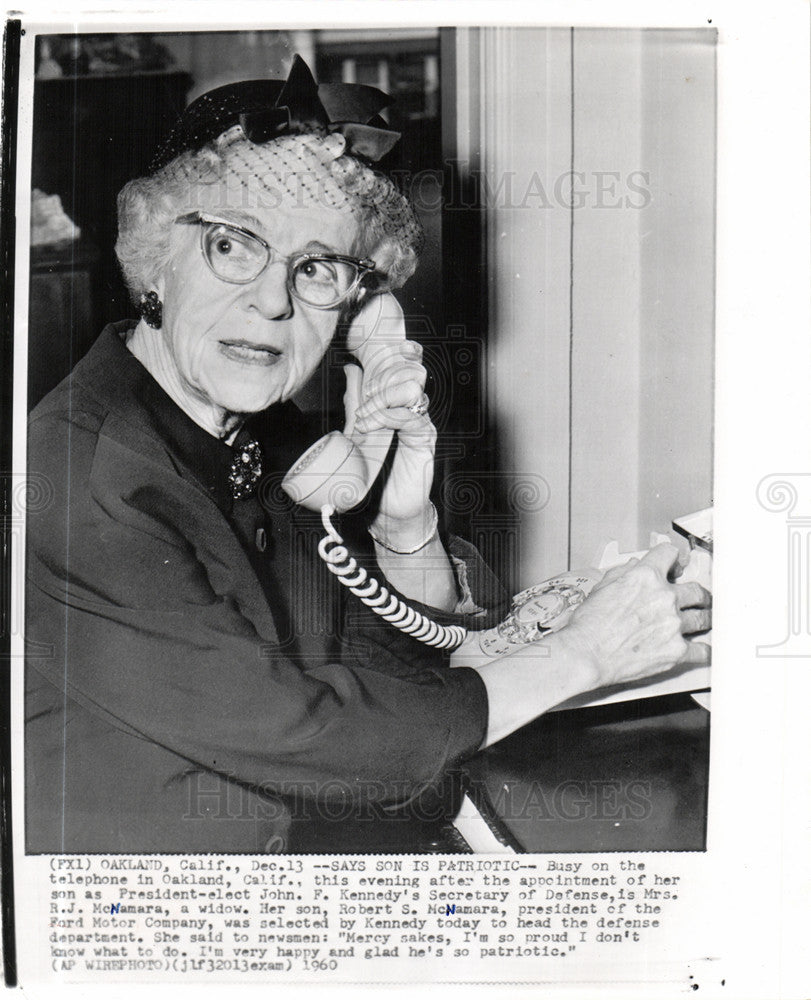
[{"x": 341, "y": 468}]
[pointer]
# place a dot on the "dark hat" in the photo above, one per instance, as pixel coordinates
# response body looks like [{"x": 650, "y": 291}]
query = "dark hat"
[{"x": 267, "y": 109}]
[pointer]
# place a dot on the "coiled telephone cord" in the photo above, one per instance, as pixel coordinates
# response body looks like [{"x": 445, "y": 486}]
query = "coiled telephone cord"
[{"x": 375, "y": 596}]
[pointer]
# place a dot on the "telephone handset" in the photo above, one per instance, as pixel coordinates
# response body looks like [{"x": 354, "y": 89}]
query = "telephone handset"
[
  {"x": 336, "y": 472},
  {"x": 334, "y": 475},
  {"x": 340, "y": 468}
]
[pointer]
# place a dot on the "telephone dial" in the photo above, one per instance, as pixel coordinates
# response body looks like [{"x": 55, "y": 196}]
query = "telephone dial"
[
  {"x": 336, "y": 472},
  {"x": 535, "y": 612}
]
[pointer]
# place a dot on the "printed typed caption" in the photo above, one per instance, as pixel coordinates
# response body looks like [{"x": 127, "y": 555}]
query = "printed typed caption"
[{"x": 295, "y": 916}]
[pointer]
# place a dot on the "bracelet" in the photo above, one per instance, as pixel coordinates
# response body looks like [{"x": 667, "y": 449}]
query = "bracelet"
[{"x": 410, "y": 552}]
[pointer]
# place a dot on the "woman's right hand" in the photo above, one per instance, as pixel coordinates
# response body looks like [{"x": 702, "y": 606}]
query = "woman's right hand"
[{"x": 633, "y": 624}]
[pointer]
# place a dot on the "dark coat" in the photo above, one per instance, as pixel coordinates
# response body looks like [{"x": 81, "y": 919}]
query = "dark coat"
[{"x": 163, "y": 712}]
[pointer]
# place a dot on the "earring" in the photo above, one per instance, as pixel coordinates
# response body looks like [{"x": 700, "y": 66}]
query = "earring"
[{"x": 151, "y": 309}]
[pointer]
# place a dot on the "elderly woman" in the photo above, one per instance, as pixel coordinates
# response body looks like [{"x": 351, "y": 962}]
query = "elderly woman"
[{"x": 197, "y": 679}]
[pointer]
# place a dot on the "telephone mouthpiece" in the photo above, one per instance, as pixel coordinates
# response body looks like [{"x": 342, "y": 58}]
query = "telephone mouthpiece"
[{"x": 332, "y": 471}]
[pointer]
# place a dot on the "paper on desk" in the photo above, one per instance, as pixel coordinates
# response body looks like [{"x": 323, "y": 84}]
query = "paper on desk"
[
  {"x": 675, "y": 681},
  {"x": 476, "y": 831}
]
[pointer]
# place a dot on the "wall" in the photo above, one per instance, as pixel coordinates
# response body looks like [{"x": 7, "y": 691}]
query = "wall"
[
  {"x": 642, "y": 284},
  {"x": 600, "y": 333},
  {"x": 215, "y": 58},
  {"x": 678, "y": 290},
  {"x": 606, "y": 283}
]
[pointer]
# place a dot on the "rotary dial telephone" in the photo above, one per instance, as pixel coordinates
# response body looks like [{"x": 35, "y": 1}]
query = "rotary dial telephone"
[{"x": 336, "y": 472}]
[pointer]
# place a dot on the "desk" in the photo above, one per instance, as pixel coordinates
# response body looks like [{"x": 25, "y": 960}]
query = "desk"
[{"x": 626, "y": 777}]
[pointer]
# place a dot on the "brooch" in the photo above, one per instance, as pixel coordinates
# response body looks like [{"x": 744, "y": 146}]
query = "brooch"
[{"x": 246, "y": 469}]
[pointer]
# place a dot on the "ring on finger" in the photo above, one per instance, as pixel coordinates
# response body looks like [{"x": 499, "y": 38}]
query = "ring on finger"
[{"x": 420, "y": 408}]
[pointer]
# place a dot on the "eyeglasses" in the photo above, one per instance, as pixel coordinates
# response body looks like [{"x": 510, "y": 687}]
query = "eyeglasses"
[{"x": 238, "y": 256}]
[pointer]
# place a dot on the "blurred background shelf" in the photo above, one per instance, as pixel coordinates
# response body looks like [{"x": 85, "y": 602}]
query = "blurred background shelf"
[
  {"x": 61, "y": 312},
  {"x": 91, "y": 135}
]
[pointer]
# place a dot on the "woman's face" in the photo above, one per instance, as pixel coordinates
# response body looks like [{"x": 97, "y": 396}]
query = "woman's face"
[{"x": 241, "y": 347}]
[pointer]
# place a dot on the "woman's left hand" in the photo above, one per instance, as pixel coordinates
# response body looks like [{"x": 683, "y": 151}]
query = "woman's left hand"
[{"x": 392, "y": 396}]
